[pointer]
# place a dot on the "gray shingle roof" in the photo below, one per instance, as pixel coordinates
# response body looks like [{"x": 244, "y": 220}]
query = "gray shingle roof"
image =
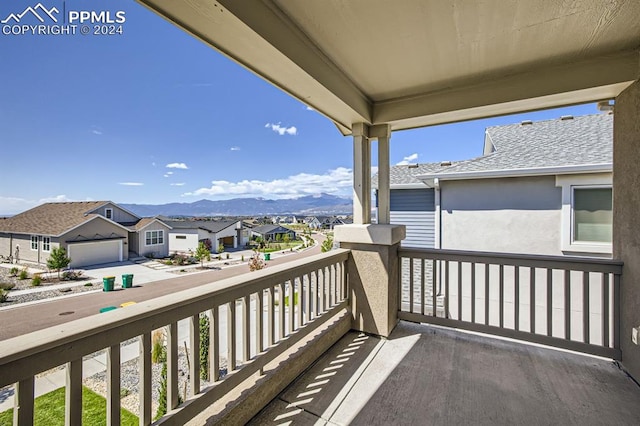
[
  {"x": 579, "y": 141},
  {"x": 52, "y": 218},
  {"x": 208, "y": 225}
]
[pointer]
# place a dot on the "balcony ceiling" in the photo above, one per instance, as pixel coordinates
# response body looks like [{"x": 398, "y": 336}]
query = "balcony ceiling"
[{"x": 413, "y": 63}]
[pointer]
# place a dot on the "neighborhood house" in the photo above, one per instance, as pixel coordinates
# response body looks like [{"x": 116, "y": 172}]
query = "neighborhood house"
[{"x": 539, "y": 188}]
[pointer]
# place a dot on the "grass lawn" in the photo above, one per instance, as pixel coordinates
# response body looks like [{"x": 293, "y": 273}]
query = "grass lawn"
[{"x": 49, "y": 410}]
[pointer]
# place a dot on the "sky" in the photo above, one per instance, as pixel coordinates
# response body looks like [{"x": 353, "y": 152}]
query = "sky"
[{"x": 153, "y": 116}]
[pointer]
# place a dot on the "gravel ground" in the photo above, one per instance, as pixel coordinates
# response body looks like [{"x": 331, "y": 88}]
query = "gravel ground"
[{"x": 6, "y": 277}]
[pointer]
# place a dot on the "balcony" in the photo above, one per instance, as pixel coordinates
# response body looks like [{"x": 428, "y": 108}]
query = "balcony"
[{"x": 312, "y": 313}]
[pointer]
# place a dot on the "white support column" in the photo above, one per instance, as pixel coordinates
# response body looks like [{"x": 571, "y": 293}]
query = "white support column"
[
  {"x": 382, "y": 132},
  {"x": 361, "y": 174}
]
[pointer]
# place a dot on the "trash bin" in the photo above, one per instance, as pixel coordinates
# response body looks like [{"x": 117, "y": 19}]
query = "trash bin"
[
  {"x": 108, "y": 283},
  {"x": 127, "y": 280},
  {"x": 267, "y": 256}
]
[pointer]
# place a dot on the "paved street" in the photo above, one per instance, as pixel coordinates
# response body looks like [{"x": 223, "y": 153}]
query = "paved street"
[{"x": 24, "y": 319}]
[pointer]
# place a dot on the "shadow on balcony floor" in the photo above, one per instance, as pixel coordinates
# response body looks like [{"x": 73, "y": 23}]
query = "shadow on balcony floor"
[{"x": 434, "y": 376}]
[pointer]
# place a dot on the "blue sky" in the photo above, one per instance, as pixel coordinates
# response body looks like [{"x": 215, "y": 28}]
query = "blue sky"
[{"x": 155, "y": 116}]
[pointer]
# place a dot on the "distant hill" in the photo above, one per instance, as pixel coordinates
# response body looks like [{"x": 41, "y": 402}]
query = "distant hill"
[{"x": 309, "y": 205}]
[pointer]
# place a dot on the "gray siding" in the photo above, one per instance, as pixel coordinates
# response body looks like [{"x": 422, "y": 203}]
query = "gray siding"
[{"x": 415, "y": 208}]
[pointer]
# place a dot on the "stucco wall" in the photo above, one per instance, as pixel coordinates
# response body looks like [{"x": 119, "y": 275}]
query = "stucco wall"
[
  {"x": 156, "y": 250},
  {"x": 626, "y": 220},
  {"x": 510, "y": 215}
]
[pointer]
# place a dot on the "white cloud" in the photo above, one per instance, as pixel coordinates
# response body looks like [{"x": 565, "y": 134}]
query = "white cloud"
[
  {"x": 168, "y": 174},
  {"x": 407, "y": 160},
  {"x": 335, "y": 182},
  {"x": 177, "y": 166},
  {"x": 177, "y": 184},
  {"x": 282, "y": 130},
  {"x": 235, "y": 148},
  {"x": 131, "y": 183},
  {"x": 153, "y": 164},
  {"x": 96, "y": 132}
]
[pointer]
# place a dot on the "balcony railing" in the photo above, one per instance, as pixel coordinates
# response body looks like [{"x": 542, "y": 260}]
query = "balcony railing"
[
  {"x": 572, "y": 303},
  {"x": 265, "y": 312}
]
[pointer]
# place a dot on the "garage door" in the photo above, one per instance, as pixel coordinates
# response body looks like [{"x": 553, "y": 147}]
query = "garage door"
[{"x": 95, "y": 253}]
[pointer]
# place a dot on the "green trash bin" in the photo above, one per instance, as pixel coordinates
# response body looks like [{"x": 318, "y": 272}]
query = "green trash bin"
[
  {"x": 127, "y": 280},
  {"x": 267, "y": 256},
  {"x": 108, "y": 283}
]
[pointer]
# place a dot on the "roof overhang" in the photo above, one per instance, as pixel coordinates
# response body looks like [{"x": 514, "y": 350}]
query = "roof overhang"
[
  {"x": 431, "y": 180},
  {"x": 419, "y": 63}
]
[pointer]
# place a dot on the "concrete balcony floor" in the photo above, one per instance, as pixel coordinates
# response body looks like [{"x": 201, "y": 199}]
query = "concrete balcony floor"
[{"x": 425, "y": 375}]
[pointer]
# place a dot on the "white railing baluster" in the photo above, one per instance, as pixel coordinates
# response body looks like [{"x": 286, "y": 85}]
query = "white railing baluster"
[
  {"x": 307, "y": 298},
  {"x": 144, "y": 369},
  {"x": 516, "y": 298},
  {"x": 194, "y": 355},
  {"x": 231, "y": 336},
  {"x": 246, "y": 328},
  {"x": 567, "y": 304},
  {"x": 23, "y": 413},
  {"x": 271, "y": 317},
  {"x": 73, "y": 393},
  {"x": 214, "y": 344},
  {"x": 300, "y": 302},
  {"x": 291, "y": 306},
  {"x": 532, "y": 300},
  {"x": 605, "y": 310},
  {"x": 501, "y": 294},
  {"x": 460, "y": 290},
  {"x": 586, "y": 336},
  {"x": 113, "y": 385},
  {"x": 172, "y": 366},
  {"x": 473, "y": 292},
  {"x": 281, "y": 311},
  {"x": 411, "y": 273},
  {"x": 549, "y": 302},
  {"x": 486, "y": 293}
]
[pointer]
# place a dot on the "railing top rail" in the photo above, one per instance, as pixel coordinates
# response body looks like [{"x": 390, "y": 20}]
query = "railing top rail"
[
  {"x": 50, "y": 347},
  {"x": 529, "y": 260}
]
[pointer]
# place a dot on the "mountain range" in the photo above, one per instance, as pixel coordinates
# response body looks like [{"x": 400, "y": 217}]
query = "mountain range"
[{"x": 322, "y": 204}]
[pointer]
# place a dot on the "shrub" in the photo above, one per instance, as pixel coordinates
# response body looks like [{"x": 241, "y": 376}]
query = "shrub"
[
  {"x": 4, "y": 295},
  {"x": 72, "y": 275},
  {"x": 13, "y": 271},
  {"x": 36, "y": 280},
  {"x": 204, "y": 347},
  {"x": 7, "y": 286},
  {"x": 58, "y": 260},
  {"x": 158, "y": 353},
  {"x": 256, "y": 263},
  {"x": 242, "y": 258},
  {"x": 23, "y": 274},
  {"x": 227, "y": 255}
]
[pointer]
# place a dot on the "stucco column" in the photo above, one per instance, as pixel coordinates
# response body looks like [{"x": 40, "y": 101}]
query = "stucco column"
[
  {"x": 373, "y": 275},
  {"x": 626, "y": 219},
  {"x": 361, "y": 174},
  {"x": 382, "y": 133}
]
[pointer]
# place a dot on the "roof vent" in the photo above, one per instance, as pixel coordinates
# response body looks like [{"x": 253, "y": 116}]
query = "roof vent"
[
  {"x": 566, "y": 117},
  {"x": 526, "y": 122},
  {"x": 413, "y": 166},
  {"x": 445, "y": 163}
]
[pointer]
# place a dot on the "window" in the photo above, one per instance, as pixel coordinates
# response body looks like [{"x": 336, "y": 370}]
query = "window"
[
  {"x": 587, "y": 214},
  {"x": 34, "y": 242},
  {"x": 153, "y": 238},
  {"x": 108, "y": 213},
  {"x": 46, "y": 243},
  {"x": 592, "y": 215},
  {"x": 181, "y": 237}
]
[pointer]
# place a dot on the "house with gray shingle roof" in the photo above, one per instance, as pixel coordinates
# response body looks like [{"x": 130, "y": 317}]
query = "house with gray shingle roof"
[
  {"x": 185, "y": 235},
  {"x": 539, "y": 187},
  {"x": 91, "y": 232}
]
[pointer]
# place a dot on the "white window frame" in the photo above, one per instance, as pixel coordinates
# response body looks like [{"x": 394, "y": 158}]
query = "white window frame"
[
  {"x": 108, "y": 213},
  {"x": 568, "y": 184},
  {"x": 46, "y": 244},
  {"x": 159, "y": 236},
  {"x": 34, "y": 239}
]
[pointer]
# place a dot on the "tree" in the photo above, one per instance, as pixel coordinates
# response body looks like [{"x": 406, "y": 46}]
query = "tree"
[
  {"x": 256, "y": 263},
  {"x": 202, "y": 254},
  {"x": 220, "y": 248},
  {"x": 327, "y": 244},
  {"x": 286, "y": 238},
  {"x": 58, "y": 260}
]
